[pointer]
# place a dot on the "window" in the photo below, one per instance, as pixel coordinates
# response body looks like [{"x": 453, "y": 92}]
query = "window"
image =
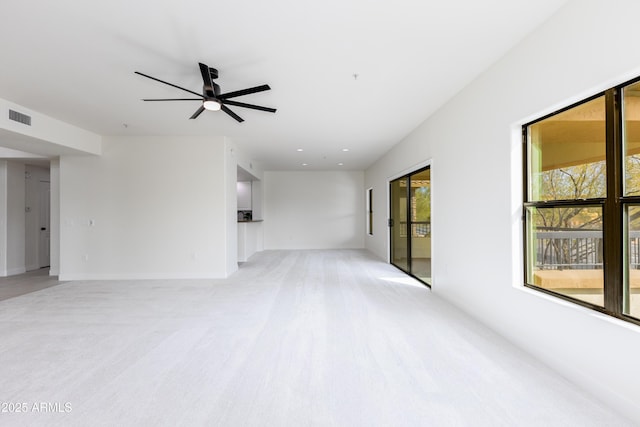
[
  {"x": 582, "y": 202},
  {"x": 370, "y": 211}
]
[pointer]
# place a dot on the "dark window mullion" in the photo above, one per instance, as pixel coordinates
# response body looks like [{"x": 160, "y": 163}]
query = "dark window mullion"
[
  {"x": 630, "y": 200},
  {"x": 613, "y": 230},
  {"x": 565, "y": 203},
  {"x": 525, "y": 198},
  {"x": 409, "y": 222}
]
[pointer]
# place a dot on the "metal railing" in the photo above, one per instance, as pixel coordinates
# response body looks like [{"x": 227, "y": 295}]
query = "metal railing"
[
  {"x": 418, "y": 229},
  {"x": 575, "y": 250},
  {"x": 578, "y": 249}
]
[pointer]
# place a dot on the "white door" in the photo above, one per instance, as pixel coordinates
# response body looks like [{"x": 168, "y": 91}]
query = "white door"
[{"x": 44, "y": 244}]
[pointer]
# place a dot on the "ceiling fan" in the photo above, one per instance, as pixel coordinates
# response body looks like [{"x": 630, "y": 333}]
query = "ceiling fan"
[{"x": 211, "y": 97}]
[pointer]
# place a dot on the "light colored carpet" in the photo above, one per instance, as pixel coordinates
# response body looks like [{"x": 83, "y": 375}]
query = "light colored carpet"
[{"x": 295, "y": 338}]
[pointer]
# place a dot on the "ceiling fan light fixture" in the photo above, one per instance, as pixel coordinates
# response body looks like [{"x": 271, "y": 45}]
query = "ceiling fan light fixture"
[{"x": 211, "y": 105}]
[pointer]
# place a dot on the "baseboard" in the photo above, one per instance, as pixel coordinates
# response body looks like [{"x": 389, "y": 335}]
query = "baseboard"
[
  {"x": 139, "y": 276},
  {"x": 15, "y": 271}
]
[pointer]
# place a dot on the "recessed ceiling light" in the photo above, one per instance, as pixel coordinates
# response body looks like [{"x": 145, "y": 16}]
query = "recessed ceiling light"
[
  {"x": 305, "y": 164},
  {"x": 340, "y": 164},
  {"x": 345, "y": 149},
  {"x": 299, "y": 149}
]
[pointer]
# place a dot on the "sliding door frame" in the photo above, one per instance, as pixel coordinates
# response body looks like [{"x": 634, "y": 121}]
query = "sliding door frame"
[{"x": 407, "y": 173}]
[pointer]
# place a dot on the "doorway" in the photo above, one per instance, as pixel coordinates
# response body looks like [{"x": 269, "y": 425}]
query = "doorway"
[
  {"x": 410, "y": 224},
  {"x": 44, "y": 237},
  {"x": 37, "y": 237}
]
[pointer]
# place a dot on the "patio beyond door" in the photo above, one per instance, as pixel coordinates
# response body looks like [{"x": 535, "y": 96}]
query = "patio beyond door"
[{"x": 410, "y": 224}]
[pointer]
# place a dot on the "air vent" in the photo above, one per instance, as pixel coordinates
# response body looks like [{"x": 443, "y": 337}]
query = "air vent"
[{"x": 19, "y": 117}]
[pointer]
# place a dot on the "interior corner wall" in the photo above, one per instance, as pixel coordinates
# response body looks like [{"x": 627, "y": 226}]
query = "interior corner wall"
[
  {"x": 3, "y": 218},
  {"x": 32, "y": 218},
  {"x": 314, "y": 210},
  {"x": 230, "y": 179},
  {"x": 147, "y": 208},
  {"x": 54, "y": 175},
  {"x": 15, "y": 218},
  {"x": 476, "y": 176}
]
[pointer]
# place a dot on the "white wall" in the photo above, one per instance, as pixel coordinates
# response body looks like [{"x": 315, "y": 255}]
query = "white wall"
[
  {"x": 54, "y": 175},
  {"x": 244, "y": 196},
  {"x": 147, "y": 208},
  {"x": 313, "y": 210},
  {"x": 257, "y": 200},
  {"x": 232, "y": 157},
  {"x": 476, "y": 168},
  {"x": 3, "y": 218},
  {"x": 256, "y": 169},
  {"x": 243, "y": 159},
  {"x": 15, "y": 218},
  {"x": 32, "y": 217}
]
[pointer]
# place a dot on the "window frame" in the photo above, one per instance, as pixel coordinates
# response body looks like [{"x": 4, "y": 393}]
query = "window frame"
[
  {"x": 614, "y": 205},
  {"x": 369, "y": 218}
]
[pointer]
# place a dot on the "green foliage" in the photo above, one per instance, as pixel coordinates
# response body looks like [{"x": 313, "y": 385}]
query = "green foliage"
[
  {"x": 584, "y": 181},
  {"x": 422, "y": 198},
  {"x": 632, "y": 175}
]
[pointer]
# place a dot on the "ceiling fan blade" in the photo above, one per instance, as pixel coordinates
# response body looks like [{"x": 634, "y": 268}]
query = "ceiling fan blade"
[
  {"x": 232, "y": 114},
  {"x": 197, "y": 113},
  {"x": 206, "y": 79},
  {"x": 244, "y": 92},
  {"x": 175, "y": 99},
  {"x": 254, "y": 107},
  {"x": 170, "y": 84}
]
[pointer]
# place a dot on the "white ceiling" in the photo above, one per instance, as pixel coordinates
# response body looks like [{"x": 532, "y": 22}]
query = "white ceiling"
[{"x": 74, "y": 60}]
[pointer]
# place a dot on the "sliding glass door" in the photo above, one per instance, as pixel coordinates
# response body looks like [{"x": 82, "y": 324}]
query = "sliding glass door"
[
  {"x": 398, "y": 224},
  {"x": 410, "y": 224}
]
